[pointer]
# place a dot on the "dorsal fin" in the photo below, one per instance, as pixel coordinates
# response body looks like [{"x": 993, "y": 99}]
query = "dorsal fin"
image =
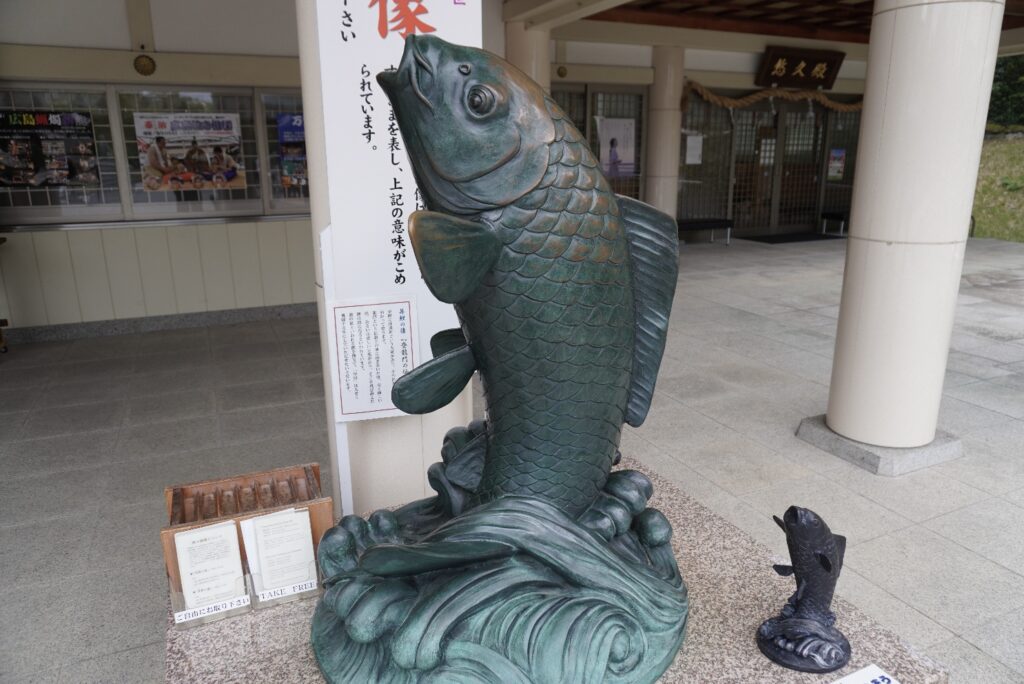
[{"x": 653, "y": 240}]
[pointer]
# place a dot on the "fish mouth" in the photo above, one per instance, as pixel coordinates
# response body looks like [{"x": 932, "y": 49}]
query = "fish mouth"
[
  {"x": 797, "y": 517},
  {"x": 415, "y": 69}
]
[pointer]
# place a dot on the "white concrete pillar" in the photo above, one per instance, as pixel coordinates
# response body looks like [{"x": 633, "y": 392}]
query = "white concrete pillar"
[
  {"x": 930, "y": 66},
  {"x": 665, "y": 120},
  {"x": 530, "y": 50}
]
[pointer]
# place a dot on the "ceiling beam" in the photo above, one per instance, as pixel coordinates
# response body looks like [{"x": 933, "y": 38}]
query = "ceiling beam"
[
  {"x": 710, "y": 23},
  {"x": 524, "y": 10},
  {"x": 140, "y": 24},
  {"x": 548, "y": 14},
  {"x": 1011, "y": 42},
  {"x": 636, "y": 34}
]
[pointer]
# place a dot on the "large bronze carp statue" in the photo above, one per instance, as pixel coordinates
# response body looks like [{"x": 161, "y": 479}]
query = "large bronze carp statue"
[{"x": 534, "y": 562}]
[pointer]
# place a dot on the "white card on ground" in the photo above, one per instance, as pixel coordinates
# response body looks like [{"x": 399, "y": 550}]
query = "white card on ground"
[
  {"x": 872, "y": 674},
  {"x": 279, "y": 547},
  {"x": 210, "y": 564}
]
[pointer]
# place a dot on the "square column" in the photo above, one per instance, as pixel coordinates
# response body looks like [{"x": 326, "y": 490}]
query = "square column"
[{"x": 664, "y": 125}]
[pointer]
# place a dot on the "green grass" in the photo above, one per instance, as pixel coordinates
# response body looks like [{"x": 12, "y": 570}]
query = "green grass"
[{"x": 999, "y": 199}]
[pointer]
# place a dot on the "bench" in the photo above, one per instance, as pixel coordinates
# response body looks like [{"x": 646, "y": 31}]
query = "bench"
[
  {"x": 827, "y": 216},
  {"x": 711, "y": 224}
]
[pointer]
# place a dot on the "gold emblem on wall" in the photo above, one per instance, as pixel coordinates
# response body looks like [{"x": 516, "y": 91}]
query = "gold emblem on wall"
[{"x": 144, "y": 65}]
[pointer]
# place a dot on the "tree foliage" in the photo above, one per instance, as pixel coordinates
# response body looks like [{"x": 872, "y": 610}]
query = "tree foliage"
[{"x": 1007, "y": 105}]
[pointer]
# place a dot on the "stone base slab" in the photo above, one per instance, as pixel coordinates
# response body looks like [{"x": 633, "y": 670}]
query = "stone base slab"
[
  {"x": 732, "y": 589},
  {"x": 880, "y": 460}
]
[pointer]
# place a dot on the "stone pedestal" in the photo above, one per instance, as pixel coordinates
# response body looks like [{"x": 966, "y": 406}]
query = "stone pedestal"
[
  {"x": 730, "y": 579},
  {"x": 877, "y": 459}
]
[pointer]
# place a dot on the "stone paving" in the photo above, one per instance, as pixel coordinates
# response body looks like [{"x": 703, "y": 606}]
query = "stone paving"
[
  {"x": 92, "y": 430},
  {"x": 938, "y": 554}
]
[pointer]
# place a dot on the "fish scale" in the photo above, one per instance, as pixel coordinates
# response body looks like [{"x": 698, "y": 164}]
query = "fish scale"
[{"x": 564, "y": 263}]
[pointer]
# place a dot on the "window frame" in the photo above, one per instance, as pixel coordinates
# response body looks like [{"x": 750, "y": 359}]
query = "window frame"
[
  {"x": 14, "y": 218},
  {"x": 24, "y": 215},
  {"x": 267, "y": 176}
]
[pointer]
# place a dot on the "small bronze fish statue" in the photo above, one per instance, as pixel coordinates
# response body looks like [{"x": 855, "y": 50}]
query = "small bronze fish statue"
[
  {"x": 534, "y": 562},
  {"x": 803, "y": 637}
]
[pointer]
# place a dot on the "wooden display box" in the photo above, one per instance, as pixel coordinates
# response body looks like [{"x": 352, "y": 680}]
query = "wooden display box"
[{"x": 238, "y": 498}]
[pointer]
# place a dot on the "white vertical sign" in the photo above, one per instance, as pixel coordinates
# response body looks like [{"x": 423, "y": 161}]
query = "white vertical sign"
[{"x": 370, "y": 182}]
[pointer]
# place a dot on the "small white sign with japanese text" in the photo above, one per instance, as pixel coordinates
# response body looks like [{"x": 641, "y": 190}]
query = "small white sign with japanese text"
[
  {"x": 210, "y": 565},
  {"x": 374, "y": 346},
  {"x": 279, "y": 548}
]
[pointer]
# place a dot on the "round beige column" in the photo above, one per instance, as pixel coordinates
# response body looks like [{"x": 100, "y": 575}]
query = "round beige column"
[
  {"x": 665, "y": 120},
  {"x": 530, "y": 50},
  {"x": 930, "y": 66}
]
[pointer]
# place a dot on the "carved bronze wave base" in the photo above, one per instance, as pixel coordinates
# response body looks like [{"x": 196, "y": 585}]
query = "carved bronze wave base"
[
  {"x": 510, "y": 591},
  {"x": 803, "y": 645}
]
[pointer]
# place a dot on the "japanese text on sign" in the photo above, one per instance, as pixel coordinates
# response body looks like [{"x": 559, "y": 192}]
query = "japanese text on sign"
[
  {"x": 404, "y": 18},
  {"x": 375, "y": 343},
  {"x": 797, "y": 67}
]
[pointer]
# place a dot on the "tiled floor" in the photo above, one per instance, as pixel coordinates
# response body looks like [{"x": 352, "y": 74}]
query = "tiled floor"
[{"x": 91, "y": 431}]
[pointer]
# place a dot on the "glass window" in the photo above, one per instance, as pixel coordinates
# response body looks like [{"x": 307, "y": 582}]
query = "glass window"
[
  {"x": 56, "y": 156},
  {"x": 190, "y": 152},
  {"x": 286, "y": 149}
]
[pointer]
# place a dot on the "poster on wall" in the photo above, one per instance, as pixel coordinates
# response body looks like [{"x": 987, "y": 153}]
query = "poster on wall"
[
  {"x": 618, "y": 149},
  {"x": 190, "y": 151},
  {"x": 836, "y": 164},
  {"x": 47, "y": 148},
  {"x": 291, "y": 139},
  {"x": 367, "y": 260},
  {"x": 694, "y": 148}
]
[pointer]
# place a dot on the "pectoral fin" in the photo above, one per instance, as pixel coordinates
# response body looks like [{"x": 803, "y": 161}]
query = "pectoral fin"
[
  {"x": 434, "y": 384},
  {"x": 454, "y": 254},
  {"x": 446, "y": 340},
  {"x": 784, "y": 570}
]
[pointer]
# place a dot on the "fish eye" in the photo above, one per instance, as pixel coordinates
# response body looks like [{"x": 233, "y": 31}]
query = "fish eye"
[
  {"x": 465, "y": 69},
  {"x": 480, "y": 100}
]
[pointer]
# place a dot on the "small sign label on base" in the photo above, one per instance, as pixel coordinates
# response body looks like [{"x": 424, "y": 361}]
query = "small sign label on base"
[{"x": 872, "y": 674}]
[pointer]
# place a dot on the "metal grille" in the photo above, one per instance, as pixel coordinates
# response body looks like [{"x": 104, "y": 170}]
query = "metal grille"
[
  {"x": 756, "y": 135},
  {"x": 574, "y": 104},
  {"x": 56, "y": 196},
  {"x": 192, "y": 101},
  {"x": 801, "y": 163},
  {"x": 621, "y": 105},
  {"x": 704, "y": 184},
  {"x": 843, "y": 130}
]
